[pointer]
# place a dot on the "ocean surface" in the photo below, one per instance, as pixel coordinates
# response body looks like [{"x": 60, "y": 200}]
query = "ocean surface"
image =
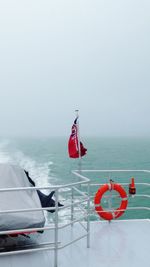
[{"x": 48, "y": 163}]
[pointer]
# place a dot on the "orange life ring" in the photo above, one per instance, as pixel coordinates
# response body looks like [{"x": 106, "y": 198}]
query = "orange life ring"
[{"x": 110, "y": 215}]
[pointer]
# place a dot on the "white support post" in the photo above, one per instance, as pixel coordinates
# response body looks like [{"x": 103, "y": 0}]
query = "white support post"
[
  {"x": 72, "y": 205},
  {"x": 88, "y": 216},
  {"x": 78, "y": 133},
  {"x": 56, "y": 230}
]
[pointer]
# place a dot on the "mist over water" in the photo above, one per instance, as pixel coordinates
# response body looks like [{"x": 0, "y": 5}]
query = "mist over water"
[{"x": 65, "y": 55}]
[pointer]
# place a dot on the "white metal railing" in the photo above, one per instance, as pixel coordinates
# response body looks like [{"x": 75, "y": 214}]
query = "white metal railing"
[
  {"x": 56, "y": 226},
  {"x": 80, "y": 193},
  {"x": 109, "y": 172}
]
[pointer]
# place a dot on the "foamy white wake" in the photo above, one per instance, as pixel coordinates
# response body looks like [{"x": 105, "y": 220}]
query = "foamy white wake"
[{"x": 39, "y": 172}]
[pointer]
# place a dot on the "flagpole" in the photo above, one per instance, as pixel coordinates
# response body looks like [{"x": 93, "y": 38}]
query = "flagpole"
[{"x": 79, "y": 149}]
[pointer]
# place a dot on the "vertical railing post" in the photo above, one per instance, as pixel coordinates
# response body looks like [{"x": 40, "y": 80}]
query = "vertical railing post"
[
  {"x": 88, "y": 216},
  {"x": 72, "y": 206},
  {"x": 56, "y": 230}
]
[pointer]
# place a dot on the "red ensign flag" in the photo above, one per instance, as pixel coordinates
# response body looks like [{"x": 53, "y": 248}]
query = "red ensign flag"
[{"x": 73, "y": 144}]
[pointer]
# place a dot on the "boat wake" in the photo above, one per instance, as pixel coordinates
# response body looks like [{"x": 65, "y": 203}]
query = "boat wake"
[{"x": 38, "y": 171}]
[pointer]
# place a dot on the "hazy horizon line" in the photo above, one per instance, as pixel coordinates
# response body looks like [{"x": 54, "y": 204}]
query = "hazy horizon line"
[{"x": 67, "y": 136}]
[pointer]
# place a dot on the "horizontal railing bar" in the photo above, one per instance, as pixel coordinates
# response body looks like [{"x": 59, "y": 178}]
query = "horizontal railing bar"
[
  {"x": 147, "y": 184},
  {"x": 127, "y": 184},
  {"x": 140, "y": 195},
  {"x": 26, "y": 251},
  {"x": 26, "y": 230},
  {"x": 32, "y": 245},
  {"x": 138, "y": 208},
  {"x": 26, "y": 210},
  {"x": 118, "y": 196},
  {"x": 41, "y": 188},
  {"x": 113, "y": 170},
  {"x": 129, "y": 208}
]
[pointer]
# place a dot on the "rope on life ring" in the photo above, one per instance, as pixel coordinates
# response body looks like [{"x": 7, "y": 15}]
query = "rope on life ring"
[{"x": 110, "y": 215}]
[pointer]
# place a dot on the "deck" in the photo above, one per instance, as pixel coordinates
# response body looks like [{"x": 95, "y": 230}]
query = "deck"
[{"x": 119, "y": 243}]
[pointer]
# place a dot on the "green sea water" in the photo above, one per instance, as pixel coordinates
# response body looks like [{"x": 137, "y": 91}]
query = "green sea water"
[{"x": 48, "y": 163}]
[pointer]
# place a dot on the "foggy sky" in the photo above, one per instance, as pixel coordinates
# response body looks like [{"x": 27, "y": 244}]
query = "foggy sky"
[{"x": 62, "y": 55}]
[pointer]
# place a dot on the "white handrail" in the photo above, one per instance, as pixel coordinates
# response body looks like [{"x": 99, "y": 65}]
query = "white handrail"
[
  {"x": 114, "y": 170},
  {"x": 84, "y": 199},
  {"x": 56, "y": 226}
]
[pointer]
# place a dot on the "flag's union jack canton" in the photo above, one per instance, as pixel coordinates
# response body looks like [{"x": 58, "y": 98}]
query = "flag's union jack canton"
[{"x": 73, "y": 144}]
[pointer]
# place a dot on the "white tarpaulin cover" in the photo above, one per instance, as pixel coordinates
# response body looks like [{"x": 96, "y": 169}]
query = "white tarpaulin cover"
[{"x": 12, "y": 176}]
